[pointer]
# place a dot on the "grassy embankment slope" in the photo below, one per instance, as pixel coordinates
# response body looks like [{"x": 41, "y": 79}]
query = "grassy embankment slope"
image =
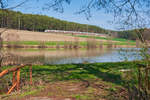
[
  {"x": 98, "y": 81},
  {"x": 53, "y": 39}
]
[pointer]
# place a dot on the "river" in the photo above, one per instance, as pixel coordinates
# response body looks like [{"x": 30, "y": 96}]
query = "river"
[{"x": 69, "y": 56}]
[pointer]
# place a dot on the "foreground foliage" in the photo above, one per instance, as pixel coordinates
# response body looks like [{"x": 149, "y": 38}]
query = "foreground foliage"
[{"x": 111, "y": 77}]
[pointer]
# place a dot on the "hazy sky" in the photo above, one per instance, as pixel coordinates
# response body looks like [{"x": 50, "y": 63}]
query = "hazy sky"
[{"x": 99, "y": 18}]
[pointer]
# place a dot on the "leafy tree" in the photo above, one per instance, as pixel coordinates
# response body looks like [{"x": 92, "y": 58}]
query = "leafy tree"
[{"x": 17, "y": 20}]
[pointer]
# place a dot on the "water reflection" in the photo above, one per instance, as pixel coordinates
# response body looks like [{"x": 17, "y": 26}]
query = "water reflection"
[{"x": 42, "y": 56}]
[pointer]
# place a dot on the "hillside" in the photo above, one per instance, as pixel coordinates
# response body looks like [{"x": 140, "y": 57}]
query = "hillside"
[
  {"x": 22, "y": 35},
  {"x": 18, "y": 20},
  {"x": 30, "y": 39},
  {"x": 40, "y": 23}
]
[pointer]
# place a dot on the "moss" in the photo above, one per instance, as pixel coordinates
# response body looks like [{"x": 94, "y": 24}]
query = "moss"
[{"x": 81, "y": 97}]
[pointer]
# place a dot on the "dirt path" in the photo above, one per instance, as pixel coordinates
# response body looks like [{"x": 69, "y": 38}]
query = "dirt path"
[
  {"x": 77, "y": 90},
  {"x": 47, "y": 98}
]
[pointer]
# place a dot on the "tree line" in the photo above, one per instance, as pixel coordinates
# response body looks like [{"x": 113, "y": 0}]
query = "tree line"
[
  {"x": 18, "y": 20},
  {"x": 134, "y": 34},
  {"x": 35, "y": 22},
  {"x": 128, "y": 34}
]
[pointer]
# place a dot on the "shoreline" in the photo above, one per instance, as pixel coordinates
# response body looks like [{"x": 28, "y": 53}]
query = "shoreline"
[{"x": 69, "y": 46}]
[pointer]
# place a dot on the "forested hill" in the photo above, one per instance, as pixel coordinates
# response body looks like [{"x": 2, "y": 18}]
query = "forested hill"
[{"x": 18, "y": 20}]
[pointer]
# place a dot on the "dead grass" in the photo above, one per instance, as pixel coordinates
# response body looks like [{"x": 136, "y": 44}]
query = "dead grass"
[
  {"x": 77, "y": 90},
  {"x": 22, "y": 35}
]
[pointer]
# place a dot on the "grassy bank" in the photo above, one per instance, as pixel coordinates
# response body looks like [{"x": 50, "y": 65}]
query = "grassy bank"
[
  {"x": 105, "y": 38},
  {"x": 109, "y": 71},
  {"x": 55, "y": 80},
  {"x": 90, "y": 42},
  {"x": 62, "y": 43}
]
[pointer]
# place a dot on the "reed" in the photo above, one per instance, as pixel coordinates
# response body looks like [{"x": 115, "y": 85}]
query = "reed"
[
  {"x": 65, "y": 45},
  {"x": 91, "y": 43},
  {"x": 77, "y": 43},
  {"x": 41, "y": 44},
  {"x": 101, "y": 44},
  {"x": 57, "y": 45},
  {"x": 70, "y": 45}
]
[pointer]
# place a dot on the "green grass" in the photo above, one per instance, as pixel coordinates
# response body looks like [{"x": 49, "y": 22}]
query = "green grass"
[
  {"x": 81, "y": 43},
  {"x": 62, "y": 43},
  {"x": 81, "y": 97},
  {"x": 34, "y": 43},
  {"x": 122, "y": 40},
  {"x": 107, "y": 74},
  {"x": 104, "y": 38},
  {"x": 106, "y": 71},
  {"x": 52, "y": 43}
]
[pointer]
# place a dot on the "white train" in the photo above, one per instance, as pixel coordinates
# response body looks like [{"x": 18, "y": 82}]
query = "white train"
[{"x": 74, "y": 32}]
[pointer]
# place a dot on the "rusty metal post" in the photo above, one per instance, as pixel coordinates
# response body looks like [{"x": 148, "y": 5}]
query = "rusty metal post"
[
  {"x": 30, "y": 75},
  {"x": 14, "y": 78},
  {"x": 16, "y": 73},
  {"x": 12, "y": 88},
  {"x": 18, "y": 79}
]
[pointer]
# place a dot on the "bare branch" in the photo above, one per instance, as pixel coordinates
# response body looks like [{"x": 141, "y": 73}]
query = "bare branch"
[
  {"x": 56, "y": 5},
  {"x": 18, "y": 5}
]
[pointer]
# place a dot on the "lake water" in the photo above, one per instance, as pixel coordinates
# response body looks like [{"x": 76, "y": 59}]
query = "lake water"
[{"x": 68, "y": 56}]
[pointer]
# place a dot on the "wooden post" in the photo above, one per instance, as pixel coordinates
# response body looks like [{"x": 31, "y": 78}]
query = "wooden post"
[
  {"x": 12, "y": 88},
  {"x": 14, "y": 78},
  {"x": 3, "y": 73},
  {"x": 10, "y": 70},
  {"x": 18, "y": 79},
  {"x": 139, "y": 79},
  {"x": 30, "y": 75},
  {"x": 146, "y": 78},
  {"x": 16, "y": 72},
  {"x": 148, "y": 81}
]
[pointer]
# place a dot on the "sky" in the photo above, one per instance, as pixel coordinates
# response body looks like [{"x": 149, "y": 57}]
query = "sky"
[{"x": 99, "y": 18}]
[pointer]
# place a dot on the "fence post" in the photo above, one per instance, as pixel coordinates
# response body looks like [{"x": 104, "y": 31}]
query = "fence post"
[
  {"x": 146, "y": 78},
  {"x": 12, "y": 88},
  {"x": 148, "y": 81},
  {"x": 18, "y": 79},
  {"x": 30, "y": 75},
  {"x": 139, "y": 83},
  {"x": 14, "y": 78}
]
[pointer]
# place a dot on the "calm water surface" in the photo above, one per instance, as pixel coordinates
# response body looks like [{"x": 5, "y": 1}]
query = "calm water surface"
[{"x": 73, "y": 56}]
